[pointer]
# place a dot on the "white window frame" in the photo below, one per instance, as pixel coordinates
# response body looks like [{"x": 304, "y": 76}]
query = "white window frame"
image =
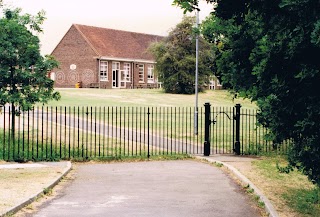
[
  {"x": 127, "y": 72},
  {"x": 103, "y": 70},
  {"x": 150, "y": 73},
  {"x": 116, "y": 75},
  {"x": 141, "y": 73}
]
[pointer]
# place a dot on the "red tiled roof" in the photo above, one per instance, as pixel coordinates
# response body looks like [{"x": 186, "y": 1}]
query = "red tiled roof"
[{"x": 117, "y": 43}]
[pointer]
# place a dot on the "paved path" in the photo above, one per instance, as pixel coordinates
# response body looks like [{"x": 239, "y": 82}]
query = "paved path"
[{"x": 167, "y": 188}]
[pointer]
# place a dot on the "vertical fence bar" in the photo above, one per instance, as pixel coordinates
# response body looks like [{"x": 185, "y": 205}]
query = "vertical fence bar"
[
  {"x": 9, "y": 132},
  {"x": 193, "y": 136},
  {"x": 69, "y": 131},
  {"x": 130, "y": 131},
  {"x": 202, "y": 131},
  {"x": 73, "y": 126},
  {"x": 163, "y": 130},
  {"x": 191, "y": 146},
  {"x": 152, "y": 131},
  {"x": 78, "y": 131},
  {"x": 131, "y": 124},
  {"x": 24, "y": 155},
  {"x": 196, "y": 139},
  {"x": 4, "y": 133},
  {"x": 140, "y": 117},
  {"x": 148, "y": 139},
  {"x": 32, "y": 133},
  {"x": 231, "y": 129},
  {"x": 51, "y": 131},
  {"x": 42, "y": 136},
  {"x": 112, "y": 144},
  {"x": 249, "y": 132},
  {"x": 120, "y": 133},
  {"x": 47, "y": 131},
  {"x": 140, "y": 110},
  {"x": 116, "y": 131},
  {"x": 99, "y": 131},
  {"x": 83, "y": 132},
  {"x": 37, "y": 139},
  {"x": 86, "y": 129},
  {"x": 223, "y": 130},
  {"x": 104, "y": 131},
  {"x": 136, "y": 115},
  {"x": 56, "y": 132},
  {"x": 160, "y": 134},
  {"x": 170, "y": 131},
  {"x": 108, "y": 138},
  {"x": 124, "y": 131},
  {"x": 91, "y": 132},
  {"x": 60, "y": 132},
  {"x": 95, "y": 131},
  {"x": 175, "y": 128},
  {"x": 18, "y": 145},
  {"x": 144, "y": 128},
  {"x": 256, "y": 131},
  {"x": 181, "y": 119},
  {"x": 157, "y": 143}
]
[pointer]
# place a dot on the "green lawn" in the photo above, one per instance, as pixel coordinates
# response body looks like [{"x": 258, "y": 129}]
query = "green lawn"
[{"x": 144, "y": 98}]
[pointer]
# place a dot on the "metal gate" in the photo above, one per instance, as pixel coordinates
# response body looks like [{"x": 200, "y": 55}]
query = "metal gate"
[{"x": 47, "y": 133}]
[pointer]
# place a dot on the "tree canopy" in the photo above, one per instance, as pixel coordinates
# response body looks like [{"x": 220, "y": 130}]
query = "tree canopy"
[
  {"x": 269, "y": 52},
  {"x": 176, "y": 59},
  {"x": 23, "y": 71}
]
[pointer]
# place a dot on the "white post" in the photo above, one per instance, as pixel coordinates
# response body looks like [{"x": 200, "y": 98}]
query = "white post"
[{"x": 196, "y": 81}]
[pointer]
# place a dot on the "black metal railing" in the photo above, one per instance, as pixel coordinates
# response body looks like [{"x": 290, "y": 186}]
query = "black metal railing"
[{"x": 53, "y": 133}]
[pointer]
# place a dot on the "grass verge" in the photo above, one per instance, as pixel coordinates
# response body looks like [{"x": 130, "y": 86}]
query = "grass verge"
[{"x": 292, "y": 194}]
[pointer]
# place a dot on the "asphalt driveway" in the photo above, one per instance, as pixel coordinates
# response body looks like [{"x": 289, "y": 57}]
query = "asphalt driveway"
[{"x": 162, "y": 188}]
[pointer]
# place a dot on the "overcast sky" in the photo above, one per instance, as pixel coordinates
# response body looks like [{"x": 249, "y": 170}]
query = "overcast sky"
[{"x": 145, "y": 16}]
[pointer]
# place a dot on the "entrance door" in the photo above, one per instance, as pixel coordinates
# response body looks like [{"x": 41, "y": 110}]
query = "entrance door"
[{"x": 115, "y": 75}]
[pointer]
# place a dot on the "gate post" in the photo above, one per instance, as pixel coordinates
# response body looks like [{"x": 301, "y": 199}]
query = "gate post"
[
  {"x": 237, "y": 119},
  {"x": 207, "y": 122}
]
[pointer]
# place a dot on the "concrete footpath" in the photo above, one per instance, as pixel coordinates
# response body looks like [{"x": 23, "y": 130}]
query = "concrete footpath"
[
  {"x": 156, "y": 188},
  {"x": 235, "y": 163},
  {"x": 23, "y": 183}
]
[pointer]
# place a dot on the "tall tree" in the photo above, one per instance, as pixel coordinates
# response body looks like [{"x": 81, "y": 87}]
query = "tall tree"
[
  {"x": 270, "y": 54},
  {"x": 23, "y": 71},
  {"x": 176, "y": 59}
]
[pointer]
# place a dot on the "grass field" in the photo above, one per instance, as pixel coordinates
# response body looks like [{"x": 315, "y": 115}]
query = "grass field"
[{"x": 144, "y": 98}]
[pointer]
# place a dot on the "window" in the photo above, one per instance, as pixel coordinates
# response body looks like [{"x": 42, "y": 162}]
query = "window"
[
  {"x": 126, "y": 72},
  {"x": 103, "y": 70},
  {"x": 141, "y": 73},
  {"x": 150, "y": 73}
]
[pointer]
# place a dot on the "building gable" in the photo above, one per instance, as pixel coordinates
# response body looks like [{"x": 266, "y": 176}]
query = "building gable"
[{"x": 77, "y": 58}]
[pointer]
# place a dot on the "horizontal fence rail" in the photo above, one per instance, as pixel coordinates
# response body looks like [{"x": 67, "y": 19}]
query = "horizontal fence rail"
[{"x": 53, "y": 133}]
